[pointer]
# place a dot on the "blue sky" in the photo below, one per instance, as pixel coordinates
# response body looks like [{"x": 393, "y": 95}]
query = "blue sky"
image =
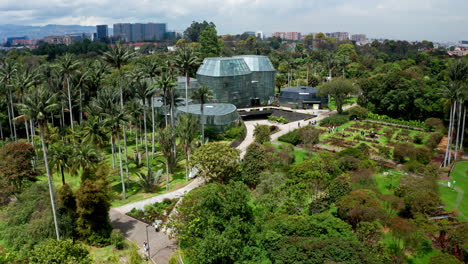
[{"x": 437, "y": 20}]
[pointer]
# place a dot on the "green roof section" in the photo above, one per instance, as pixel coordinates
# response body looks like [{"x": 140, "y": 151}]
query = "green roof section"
[
  {"x": 257, "y": 63},
  {"x": 220, "y": 67}
]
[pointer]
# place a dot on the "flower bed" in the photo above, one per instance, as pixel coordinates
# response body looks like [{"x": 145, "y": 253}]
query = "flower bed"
[{"x": 153, "y": 212}]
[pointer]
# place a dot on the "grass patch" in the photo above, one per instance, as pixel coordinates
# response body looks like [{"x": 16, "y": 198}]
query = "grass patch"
[
  {"x": 388, "y": 181},
  {"x": 449, "y": 195},
  {"x": 110, "y": 255}
]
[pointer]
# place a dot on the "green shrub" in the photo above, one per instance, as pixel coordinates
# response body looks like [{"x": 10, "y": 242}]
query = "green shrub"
[
  {"x": 387, "y": 119},
  {"x": 117, "y": 239},
  {"x": 278, "y": 119},
  {"x": 434, "y": 139},
  {"x": 262, "y": 134},
  {"x": 335, "y": 120},
  {"x": 358, "y": 112},
  {"x": 418, "y": 138},
  {"x": 290, "y": 137},
  {"x": 235, "y": 132},
  {"x": 434, "y": 124}
]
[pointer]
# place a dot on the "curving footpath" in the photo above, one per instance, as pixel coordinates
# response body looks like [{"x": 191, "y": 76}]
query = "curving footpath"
[{"x": 161, "y": 246}]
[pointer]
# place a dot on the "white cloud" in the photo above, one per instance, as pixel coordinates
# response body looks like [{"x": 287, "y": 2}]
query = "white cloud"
[{"x": 405, "y": 19}]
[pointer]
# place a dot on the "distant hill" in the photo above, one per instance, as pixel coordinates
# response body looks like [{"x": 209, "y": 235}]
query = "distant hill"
[{"x": 38, "y": 32}]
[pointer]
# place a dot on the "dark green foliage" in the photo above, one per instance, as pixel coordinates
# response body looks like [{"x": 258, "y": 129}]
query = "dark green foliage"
[
  {"x": 418, "y": 138},
  {"x": 360, "y": 205},
  {"x": 85, "y": 47},
  {"x": 334, "y": 120},
  {"x": 213, "y": 223},
  {"x": 93, "y": 204},
  {"x": 318, "y": 251},
  {"x": 67, "y": 211},
  {"x": 29, "y": 220},
  {"x": 254, "y": 163},
  {"x": 117, "y": 239},
  {"x": 262, "y": 134},
  {"x": 193, "y": 32},
  {"x": 358, "y": 112},
  {"x": 435, "y": 124},
  {"x": 405, "y": 151},
  {"x": 434, "y": 139},
  {"x": 305, "y": 135},
  {"x": 52, "y": 251},
  {"x": 235, "y": 132},
  {"x": 16, "y": 170},
  {"x": 444, "y": 258}
]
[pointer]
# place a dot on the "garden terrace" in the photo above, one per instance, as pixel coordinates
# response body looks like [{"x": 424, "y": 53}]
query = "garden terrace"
[{"x": 380, "y": 138}]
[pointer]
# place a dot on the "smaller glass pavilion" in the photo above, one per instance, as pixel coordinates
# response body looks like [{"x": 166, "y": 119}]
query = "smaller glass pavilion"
[
  {"x": 215, "y": 115},
  {"x": 302, "y": 97}
]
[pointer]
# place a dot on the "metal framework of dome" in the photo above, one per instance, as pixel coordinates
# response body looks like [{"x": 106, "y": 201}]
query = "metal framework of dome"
[
  {"x": 263, "y": 76},
  {"x": 216, "y": 115}
]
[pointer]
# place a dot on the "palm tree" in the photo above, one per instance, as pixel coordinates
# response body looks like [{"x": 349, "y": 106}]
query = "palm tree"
[
  {"x": 167, "y": 82},
  {"x": 186, "y": 59},
  {"x": 37, "y": 105},
  {"x": 61, "y": 157},
  {"x": 67, "y": 66},
  {"x": 143, "y": 91},
  {"x": 22, "y": 82},
  {"x": 151, "y": 69},
  {"x": 118, "y": 56},
  {"x": 186, "y": 130},
  {"x": 202, "y": 95},
  {"x": 457, "y": 75},
  {"x": 7, "y": 72},
  {"x": 166, "y": 139},
  {"x": 85, "y": 156},
  {"x": 93, "y": 130}
]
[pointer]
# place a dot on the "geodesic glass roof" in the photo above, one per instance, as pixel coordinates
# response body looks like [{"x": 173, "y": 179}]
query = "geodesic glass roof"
[
  {"x": 220, "y": 67},
  {"x": 257, "y": 63}
]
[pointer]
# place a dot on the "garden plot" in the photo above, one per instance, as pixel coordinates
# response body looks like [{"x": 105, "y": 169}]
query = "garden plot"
[{"x": 380, "y": 138}]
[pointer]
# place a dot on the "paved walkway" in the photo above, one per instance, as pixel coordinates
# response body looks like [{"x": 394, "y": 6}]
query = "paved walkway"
[{"x": 161, "y": 246}]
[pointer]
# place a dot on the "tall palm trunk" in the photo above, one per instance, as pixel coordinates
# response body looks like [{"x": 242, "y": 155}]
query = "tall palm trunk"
[
  {"x": 458, "y": 129},
  {"x": 81, "y": 107},
  {"x": 146, "y": 138},
  {"x": 463, "y": 130},
  {"x": 121, "y": 167},
  {"x": 450, "y": 132},
  {"x": 27, "y": 130},
  {"x": 187, "y": 160},
  {"x": 69, "y": 103},
  {"x": 49, "y": 179},
  {"x": 186, "y": 90},
  {"x": 12, "y": 114},
  {"x": 1, "y": 131},
  {"x": 448, "y": 136},
  {"x": 126, "y": 152},
  {"x": 152, "y": 125},
  {"x": 202, "y": 124},
  {"x": 113, "y": 151},
  {"x": 10, "y": 120},
  {"x": 167, "y": 175}
]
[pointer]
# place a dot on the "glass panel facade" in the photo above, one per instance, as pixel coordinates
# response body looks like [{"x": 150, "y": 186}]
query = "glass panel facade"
[
  {"x": 216, "y": 116},
  {"x": 301, "y": 96}
]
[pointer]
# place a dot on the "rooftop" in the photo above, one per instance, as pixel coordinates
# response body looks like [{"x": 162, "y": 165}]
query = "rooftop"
[
  {"x": 212, "y": 109},
  {"x": 300, "y": 89},
  {"x": 220, "y": 67},
  {"x": 257, "y": 63}
]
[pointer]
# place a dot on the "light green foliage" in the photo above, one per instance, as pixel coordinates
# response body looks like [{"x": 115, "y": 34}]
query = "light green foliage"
[
  {"x": 346, "y": 50},
  {"x": 340, "y": 89},
  {"x": 213, "y": 223},
  {"x": 279, "y": 119},
  {"x": 211, "y": 46},
  {"x": 52, "y": 251},
  {"x": 216, "y": 161},
  {"x": 262, "y": 134}
]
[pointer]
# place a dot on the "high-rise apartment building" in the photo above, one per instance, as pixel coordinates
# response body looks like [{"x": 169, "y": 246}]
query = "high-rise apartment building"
[
  {"x": 139, "y": 31},
  {"x": 340, "y": 36},
  {"x": 360, "y": 38},
  {"x": 102, "y": 32},
  {"x": 287, "y": 35}
]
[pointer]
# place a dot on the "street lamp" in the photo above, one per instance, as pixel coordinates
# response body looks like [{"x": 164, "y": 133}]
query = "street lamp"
[{"x": 147, "y": 241}]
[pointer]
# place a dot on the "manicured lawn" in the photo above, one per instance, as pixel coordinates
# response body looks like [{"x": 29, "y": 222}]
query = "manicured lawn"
[
  {"x": 388, "y": 180},
  {"x": 449, "y": 195}
]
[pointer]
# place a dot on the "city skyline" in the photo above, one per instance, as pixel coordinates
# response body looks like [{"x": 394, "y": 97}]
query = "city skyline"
[{"x": 434, "y": 20}]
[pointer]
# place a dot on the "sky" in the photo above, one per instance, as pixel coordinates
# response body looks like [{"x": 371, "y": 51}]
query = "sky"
[{"x": 435, "y": 20}]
